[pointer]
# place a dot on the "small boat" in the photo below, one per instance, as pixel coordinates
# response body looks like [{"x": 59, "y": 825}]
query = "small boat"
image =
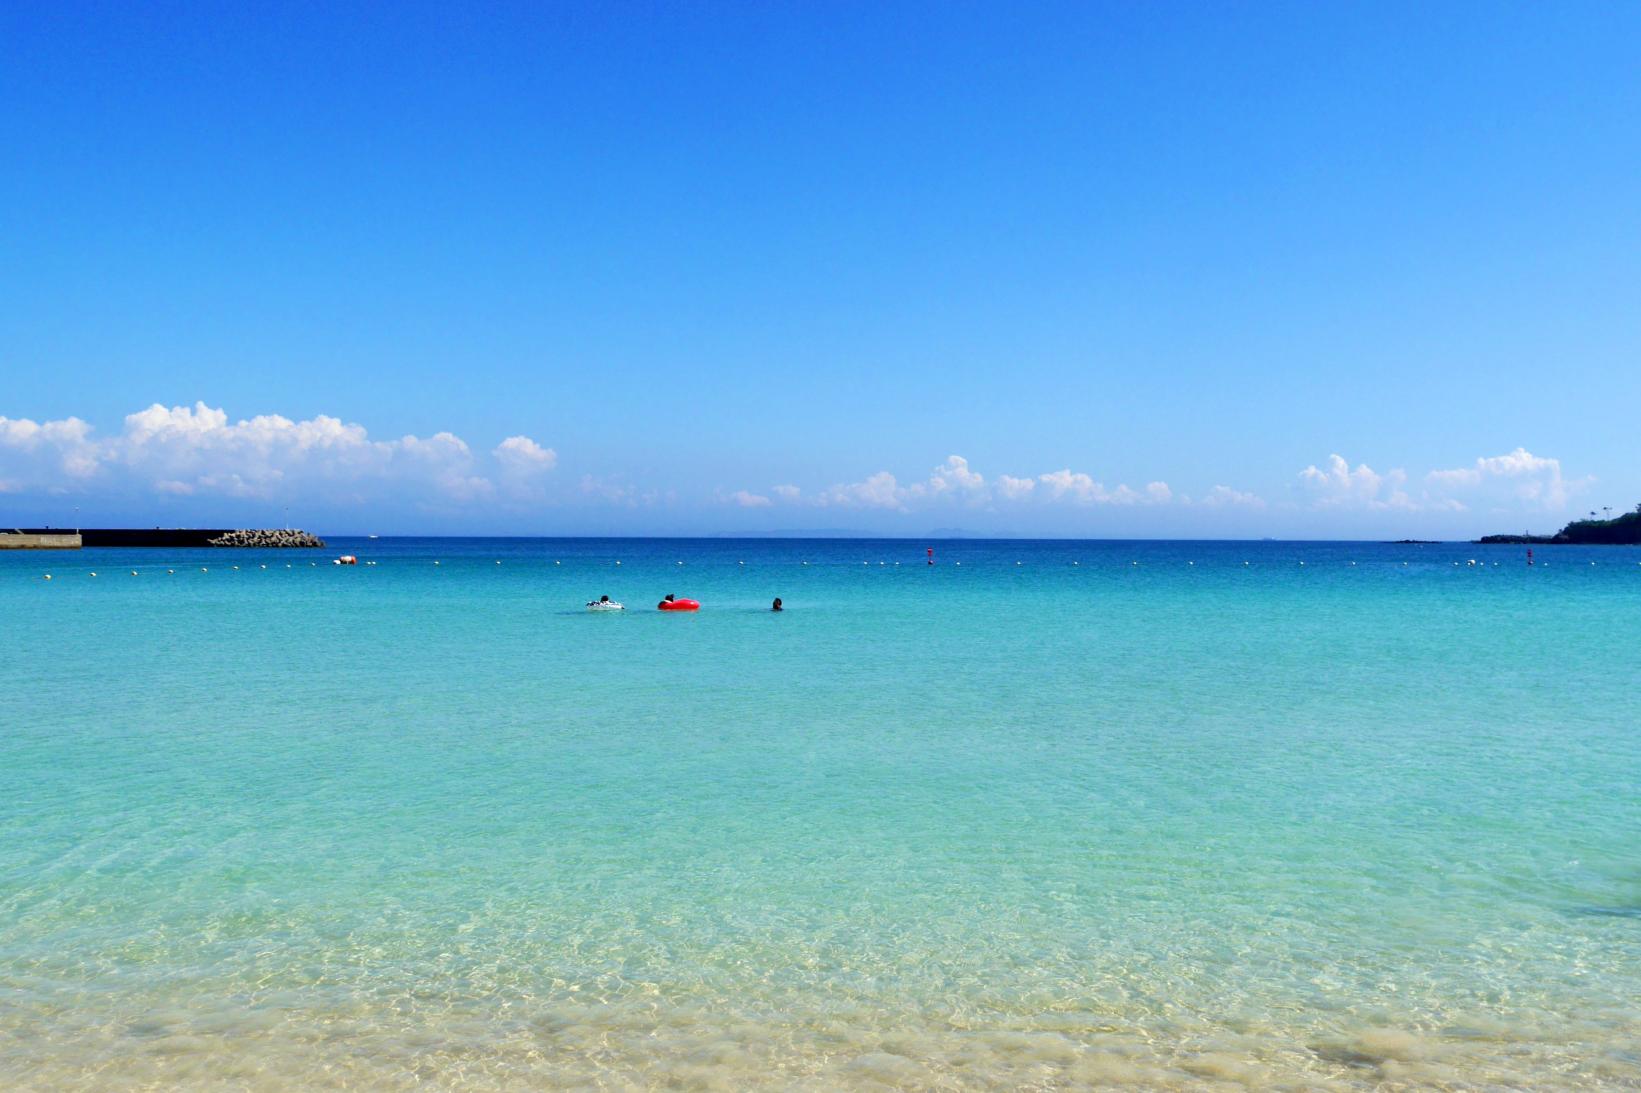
[{"x": 606, "y": 604}]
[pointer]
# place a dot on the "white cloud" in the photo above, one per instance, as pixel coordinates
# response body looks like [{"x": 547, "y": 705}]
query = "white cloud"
[
  {"x": 953, "y": 479},
  {"x": 618, "y": 490},
  {"x": 955, "y": 475},
  {"x": 749, "y": 500},
  {"x": 1363, "y": 487},
  {"x": 787, "y": 493},
  {"x": 1225, "y": 495},
  {"x": 1515, "y": 480},
  {"x": 1084, "y": 490},
  {"x": 1015, "y": 489},
  {"x": 52, "y": 450},
  {"x": 522, "y": 466},
  {"x": 198, "y": 451},
  {"x": 606, "y": 489},
  {"x": 1520, "y": 476},
  {"x": 521, "y": 454},
  {"x": 956, "y": 480},
  {"x": 879, "y": 491}
]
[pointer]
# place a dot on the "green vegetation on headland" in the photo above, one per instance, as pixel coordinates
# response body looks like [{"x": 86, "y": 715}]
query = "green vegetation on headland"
[{"x": 1622, "y": 530}]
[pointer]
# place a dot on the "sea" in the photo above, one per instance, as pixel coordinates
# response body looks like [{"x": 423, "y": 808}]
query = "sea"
[{"x": 1038, "y": 816}]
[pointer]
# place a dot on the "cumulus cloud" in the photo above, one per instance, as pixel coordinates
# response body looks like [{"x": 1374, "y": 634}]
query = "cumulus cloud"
[
  {"x": 956, "y": 481},
  {"x": 954, "y": 475},
  {"x": 197, "y": 450},
  {"x": 523, "y": 455},
  {"x": 1084, "y": 490},
  {"x": 522, "y": 466},
  {"x": 749, "y": 500},
  {"x": 1514, "y": 480},
  {"x": 1063, "y": 483},
  {"x": 1520, "y": 475},
  {"x": 1011, "y": 488},
  {"x": 1363, "y": 487},
  {"x": 51, "y": 453},
  {"x": 878, "y": 491}
]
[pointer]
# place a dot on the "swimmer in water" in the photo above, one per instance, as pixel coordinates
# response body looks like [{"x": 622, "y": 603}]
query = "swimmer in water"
[
  {"x": 776, "y": 606},
  {"x": 668, "y": 600}
]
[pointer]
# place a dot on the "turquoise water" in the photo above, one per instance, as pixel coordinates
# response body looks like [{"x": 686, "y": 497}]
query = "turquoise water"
[{"x": 1371, "y": 819}]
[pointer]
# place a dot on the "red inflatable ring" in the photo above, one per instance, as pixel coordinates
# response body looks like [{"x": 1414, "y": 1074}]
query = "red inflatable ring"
[{"x": 679, "y": 605}]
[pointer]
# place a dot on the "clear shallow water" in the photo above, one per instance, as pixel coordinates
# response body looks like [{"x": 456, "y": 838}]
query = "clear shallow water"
[{"x": 977, "y": 826}]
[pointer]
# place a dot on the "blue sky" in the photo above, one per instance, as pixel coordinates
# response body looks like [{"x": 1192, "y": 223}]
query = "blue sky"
[{"x": 705, "y": 268}]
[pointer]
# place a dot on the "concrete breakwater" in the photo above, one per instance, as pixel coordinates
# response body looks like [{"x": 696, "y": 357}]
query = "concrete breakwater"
[
  {"x": 184, "y": 537},
  {"x": 267, "y": 537},
  {"x": 22, "y": 540}
]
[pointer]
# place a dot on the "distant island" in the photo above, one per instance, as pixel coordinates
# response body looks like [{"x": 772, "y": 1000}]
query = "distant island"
[{"x": 1622, "y": 530}]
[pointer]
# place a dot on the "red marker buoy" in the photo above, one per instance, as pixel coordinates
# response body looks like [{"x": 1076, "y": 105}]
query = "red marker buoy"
[{"x": 931, "y": 555}]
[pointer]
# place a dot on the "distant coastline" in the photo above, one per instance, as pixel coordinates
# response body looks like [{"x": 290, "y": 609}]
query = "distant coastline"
[{"x": 1622, "y": 530}]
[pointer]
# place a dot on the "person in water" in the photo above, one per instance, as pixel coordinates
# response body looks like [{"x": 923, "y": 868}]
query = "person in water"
[
  {"x": 603, "y": 599},
  {"x": 666, "y": 601},
  {"x": 776, "y": 606}
]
